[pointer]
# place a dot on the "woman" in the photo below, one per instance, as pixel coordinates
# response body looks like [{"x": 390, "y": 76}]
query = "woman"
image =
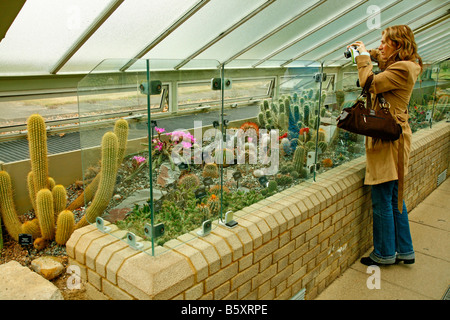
[{"x": 400, "y": 64}]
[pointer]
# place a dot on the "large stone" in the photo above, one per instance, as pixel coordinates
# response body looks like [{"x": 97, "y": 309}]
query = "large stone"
[
  {"x": 20, "y": 283},
  {"x": 47, "y": 266}
]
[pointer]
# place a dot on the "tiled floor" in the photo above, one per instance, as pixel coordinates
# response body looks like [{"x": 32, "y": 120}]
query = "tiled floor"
[{"x": 427, "y": 279}]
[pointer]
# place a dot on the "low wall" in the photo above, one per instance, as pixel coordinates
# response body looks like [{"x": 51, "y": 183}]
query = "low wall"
[{"x": 301, "y": 238}]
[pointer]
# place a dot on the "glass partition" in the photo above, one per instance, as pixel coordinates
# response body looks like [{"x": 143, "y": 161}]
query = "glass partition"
[
  {"x": 158, "y": 188},
  {"x": 202, "y": 145}
]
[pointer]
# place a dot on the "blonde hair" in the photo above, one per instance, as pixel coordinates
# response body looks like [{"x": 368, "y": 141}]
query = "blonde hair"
[{"x": 403, "y": 39}]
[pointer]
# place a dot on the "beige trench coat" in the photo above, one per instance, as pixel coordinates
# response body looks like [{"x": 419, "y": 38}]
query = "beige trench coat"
[{"x": 396, "y": 83}]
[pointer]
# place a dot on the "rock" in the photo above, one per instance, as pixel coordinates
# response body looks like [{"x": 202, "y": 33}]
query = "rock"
[
  {"x": 258, "y": 173},
  {"x": 167, "y": 175},
  {"x": 20, "y": 283},
  {"x": 47, "y": 266}
]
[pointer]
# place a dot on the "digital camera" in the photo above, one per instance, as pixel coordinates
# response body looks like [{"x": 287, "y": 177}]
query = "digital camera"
[{"x": 351, "y": 52}]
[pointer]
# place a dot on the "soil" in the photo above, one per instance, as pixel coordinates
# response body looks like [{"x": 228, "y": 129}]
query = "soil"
[{"x": 12, "y": 250}]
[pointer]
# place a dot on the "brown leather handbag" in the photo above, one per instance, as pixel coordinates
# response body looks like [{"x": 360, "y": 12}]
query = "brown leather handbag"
[
  {"x": 364, "y": 120},
  {"x": 378, "y": 124}
]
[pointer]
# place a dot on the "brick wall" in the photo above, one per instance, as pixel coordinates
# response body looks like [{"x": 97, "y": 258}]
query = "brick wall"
[{"x": 303, "y": 237}]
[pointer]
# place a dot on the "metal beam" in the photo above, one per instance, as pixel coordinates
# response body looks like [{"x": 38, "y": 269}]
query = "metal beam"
[
  {"x": 303, "y": 36},
  {"x": 225, "y": 33},
  {"x": 86, "y": 35},
  {"x": 274, "y": 31},
  {"x": 166, "y": 33}
]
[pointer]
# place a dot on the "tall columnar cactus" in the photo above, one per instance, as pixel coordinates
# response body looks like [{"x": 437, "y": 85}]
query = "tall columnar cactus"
[
  {"x": 31, "y": 190},
  {"x": 64, "y": 227},
  {"x": 121, "y": 129},
  {"x": 299, "y": 158},
  {"x": 59, "y": 198},
  {"x": 306, "y": 112},
  {"x": 110, "y": 146},
  {"x": 45, "y": 213},
  {"x": 7, "y": 208},
  {"x": 37, "y": 140}
]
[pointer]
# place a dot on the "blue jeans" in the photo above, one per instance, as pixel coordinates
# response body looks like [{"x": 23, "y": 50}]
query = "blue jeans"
[{"x": 391, "y": 234}]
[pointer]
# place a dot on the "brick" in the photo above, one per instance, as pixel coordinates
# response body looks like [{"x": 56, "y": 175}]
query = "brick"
[
  {"x": 195, "y": 257},
  {"x": 160, "y": 277},
  {"x": 232, "y": 239},
  {"x": 223, "y": 249},
  {"x": 194, "y": 292},
  {"x": 283, "y": 251},
  {"x": 221, "y": 277},
  {"x": 265, "y": 250},
  {"x": 114, "y": 292},
  {"x": 208, "y": 251},
  {"x": 244, "y": 276}
]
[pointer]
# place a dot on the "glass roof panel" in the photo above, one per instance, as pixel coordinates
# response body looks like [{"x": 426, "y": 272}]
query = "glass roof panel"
[
  {"x": 214, "y": 18},
  {"x": 133, "y": 26},
  {"x": 300, "y": 27},
  {"x": 43, "y": 31},
  {"x": 263, "y": 23}
]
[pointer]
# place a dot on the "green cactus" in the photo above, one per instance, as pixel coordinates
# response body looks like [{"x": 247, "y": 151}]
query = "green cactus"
[
  {"x": 204, "y": 211},
  {"x": 45, "y": 213},
  {"x": 59, "y": 198},
  {"x": 64, "y": 227},
  {"x": 31, "y": 190},
  {"x": 9, "y": 215},
  {"x": 306, "y": 112},
  {"x": 189, "y": 181},
  {"x": 121, "y": 129},
  {"x": 110, "y": 146},
  {"x": 32, "y": 227},
  {"x": 210, "y": 170},
  {"x": 213, "y": 204},
  {"x": 322, "y": 145},
  {"x": 272, "y": 187},
  {"x": 299, "y": 158},
  {"x": 261, "y": 120},
  {"x": 37, "y": 140}
]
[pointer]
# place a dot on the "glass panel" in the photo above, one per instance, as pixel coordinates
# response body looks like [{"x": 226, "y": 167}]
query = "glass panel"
[
  {"x": 42, "y": 33},
  {"x": 115, "y": 166},
  {"x": 203, "y": 27},
  {"x": 274, "y": 138},
  {"x": 162, "y": 190},
  {"x": 441, "y": 111},
  {"x": 134, "y": 25},
  {"x": 340, "y": 90}
]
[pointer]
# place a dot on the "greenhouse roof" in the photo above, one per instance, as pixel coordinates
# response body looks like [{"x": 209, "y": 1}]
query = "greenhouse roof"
[{"x": 45, "y": 37}]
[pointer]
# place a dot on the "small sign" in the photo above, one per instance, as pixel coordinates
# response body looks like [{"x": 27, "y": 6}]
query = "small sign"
[
  {"x": 200, "y": 193},
  {"x": 25, "y": 239},
  {"x": 208, "y": 181}
]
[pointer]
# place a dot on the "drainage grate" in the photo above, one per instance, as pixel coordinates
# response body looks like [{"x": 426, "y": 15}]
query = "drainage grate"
[
  {"x": 446, "y": 294},
  {"x": 441, "y": 178},
  {"x": 300, "y": 295}
]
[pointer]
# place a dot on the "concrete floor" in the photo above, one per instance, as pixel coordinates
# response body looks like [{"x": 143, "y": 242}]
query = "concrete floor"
[{"x": 427, "y": 279}]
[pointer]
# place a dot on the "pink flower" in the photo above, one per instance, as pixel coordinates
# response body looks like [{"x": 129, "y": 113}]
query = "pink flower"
[
  {"x": 139, "y": 159},
  {"x": 159, "y": 146},
  {"x": 159, "y": 130},
  {"x": 186, "y": 144}
]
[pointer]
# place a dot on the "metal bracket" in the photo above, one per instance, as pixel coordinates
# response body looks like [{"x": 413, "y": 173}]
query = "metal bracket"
[{"x": 100, "y": 223}]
